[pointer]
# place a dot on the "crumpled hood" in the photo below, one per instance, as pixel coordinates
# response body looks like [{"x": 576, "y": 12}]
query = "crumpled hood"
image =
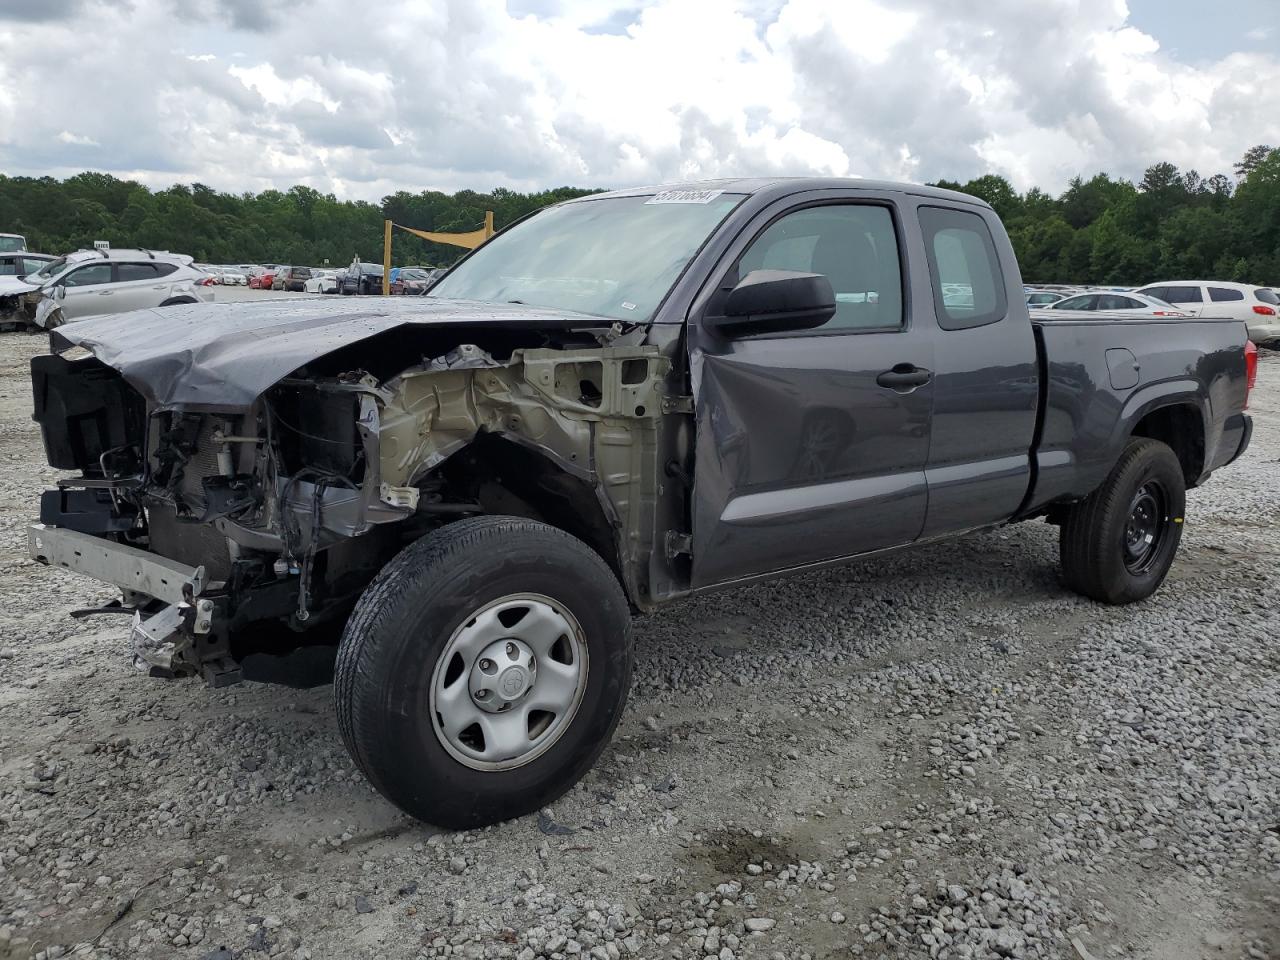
[
  {"x": 223, "y": 356},
  {"x": 11, "y": 285}
]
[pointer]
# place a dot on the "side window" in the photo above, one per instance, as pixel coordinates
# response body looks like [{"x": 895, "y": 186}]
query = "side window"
[
  {"x": 133, "y": 272},
  {"x": 855, "y": 246},
  {"x": 1182, "y": 295},
  {"x": 1109, "y": 301},
  {"x": 968, "y": 284},
  {"x": 164, "y": 269},
  {"x": 1128, "y": 303},
  {"x": 1157, "y": 292},
  {"x": 87, "y": 276},
  {"x": 1086, "y": 301},
  {"x": 31, "y": 266},
  {"x": 1223, "y": 295}
]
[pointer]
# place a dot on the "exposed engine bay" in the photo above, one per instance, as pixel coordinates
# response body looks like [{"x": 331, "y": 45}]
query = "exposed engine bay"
[
  {"x": 18, "y": 309},
  {"x": 233, "y": 528}
]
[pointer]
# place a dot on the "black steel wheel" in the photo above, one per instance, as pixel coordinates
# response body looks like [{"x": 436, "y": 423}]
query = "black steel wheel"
[{"x": 1118, "y": 544}]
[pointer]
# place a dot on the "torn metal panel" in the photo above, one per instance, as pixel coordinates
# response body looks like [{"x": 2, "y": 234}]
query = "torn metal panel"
[
  {"x": 593, "y": 411},
  {"x": 222, "y": 356}
]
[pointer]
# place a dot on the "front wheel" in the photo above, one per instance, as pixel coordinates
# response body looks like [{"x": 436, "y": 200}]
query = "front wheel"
[
  {"x": 484, "y": 670},
  {"x": 1118, "y": 544}
]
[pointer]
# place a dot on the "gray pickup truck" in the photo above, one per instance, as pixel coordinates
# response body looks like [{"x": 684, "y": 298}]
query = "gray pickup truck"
[{"x": 614, "y": 403}]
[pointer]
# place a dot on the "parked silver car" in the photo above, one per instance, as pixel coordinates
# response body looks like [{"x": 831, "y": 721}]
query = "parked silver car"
[
  {"x": 1129, "y": 304},
  {"x": 92, "y": 282}
]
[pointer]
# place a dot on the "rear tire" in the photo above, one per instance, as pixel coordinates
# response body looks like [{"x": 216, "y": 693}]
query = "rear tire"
[
  {"x": 1118, "y": 544},
  {"x": 428, "y": 617}
]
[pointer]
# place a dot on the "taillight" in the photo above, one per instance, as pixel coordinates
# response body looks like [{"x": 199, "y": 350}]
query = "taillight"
[
  {"x": 1250, "y": 369},
  {"x": 1265, "y": 311}
]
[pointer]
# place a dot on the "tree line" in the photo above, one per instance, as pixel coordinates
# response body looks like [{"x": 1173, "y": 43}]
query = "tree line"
[{"x": 1172, "y": 224}]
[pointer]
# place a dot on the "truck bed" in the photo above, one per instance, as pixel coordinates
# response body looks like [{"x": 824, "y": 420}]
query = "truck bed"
[{"x": 1100, "y": 375}]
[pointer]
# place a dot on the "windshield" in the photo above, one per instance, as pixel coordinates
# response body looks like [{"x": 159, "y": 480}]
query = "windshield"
[
  {"x": 10, "y": 243},
  {"x": 614, "y": 258},
  {"x": 48, "y": 271}
]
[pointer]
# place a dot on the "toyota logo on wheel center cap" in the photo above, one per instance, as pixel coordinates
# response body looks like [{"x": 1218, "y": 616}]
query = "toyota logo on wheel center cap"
[{"x": 512, "y": 683}]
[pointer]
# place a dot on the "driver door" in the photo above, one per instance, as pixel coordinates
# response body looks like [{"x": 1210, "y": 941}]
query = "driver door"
[
  {"x": 88, "y": 290},
  {"x": 810, "y": 447}
]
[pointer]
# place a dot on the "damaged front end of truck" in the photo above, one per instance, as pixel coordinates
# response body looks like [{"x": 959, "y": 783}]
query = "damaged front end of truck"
[{"x": 243, "y": 477}]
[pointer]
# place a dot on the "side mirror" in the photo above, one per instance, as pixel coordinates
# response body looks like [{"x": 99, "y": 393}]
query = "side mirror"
[
  {"x": 60, "y": 292},
  {"x": 775, "y": 301}
]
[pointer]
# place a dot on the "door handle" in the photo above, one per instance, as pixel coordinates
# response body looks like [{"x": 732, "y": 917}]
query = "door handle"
[
  {"x": 904, "y": 377},
  {"x": 104, "y": 293}
]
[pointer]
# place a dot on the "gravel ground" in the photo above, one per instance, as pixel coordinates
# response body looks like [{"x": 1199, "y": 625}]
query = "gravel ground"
[{"x": 939, "y": 755}]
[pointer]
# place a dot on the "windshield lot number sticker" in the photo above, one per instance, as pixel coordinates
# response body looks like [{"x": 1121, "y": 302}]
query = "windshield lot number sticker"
[{"x": 684, "y": 196}]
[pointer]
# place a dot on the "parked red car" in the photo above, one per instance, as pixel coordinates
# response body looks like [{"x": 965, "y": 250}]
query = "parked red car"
[
  {"x": 411, "y": 280},
  {"x": 263, "y": 281}
]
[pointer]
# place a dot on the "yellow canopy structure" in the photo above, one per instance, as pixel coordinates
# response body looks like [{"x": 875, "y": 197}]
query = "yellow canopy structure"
[{"x": 469, "y": 240}]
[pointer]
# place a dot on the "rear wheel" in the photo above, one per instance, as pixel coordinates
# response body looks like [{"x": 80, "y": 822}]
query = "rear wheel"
[
  {"x": 1118, "y": 544},
  {"x": 484, "y": 670}
]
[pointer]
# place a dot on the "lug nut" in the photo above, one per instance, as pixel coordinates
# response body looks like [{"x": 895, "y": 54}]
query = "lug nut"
[
  {"x": 487, "y": 665},
  {"x": 482, "y": 694},
  {"x": 512, "y": 650}
]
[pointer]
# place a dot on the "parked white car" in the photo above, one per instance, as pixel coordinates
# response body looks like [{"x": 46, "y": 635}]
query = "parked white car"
[
  {"x": 322, "y": 281},
  {"x": 1129, "y": 304},
  {"x": 91, "y": 282},
  {"x": 1042, "y": 298},
  {"x": 1258, "y": 307}
]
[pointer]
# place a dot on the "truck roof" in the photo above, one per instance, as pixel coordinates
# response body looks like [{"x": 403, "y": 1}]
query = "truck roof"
[{"x": 782, "y": 186}]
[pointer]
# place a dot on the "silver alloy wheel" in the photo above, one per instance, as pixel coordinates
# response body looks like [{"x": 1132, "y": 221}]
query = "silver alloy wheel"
[{"x": 509, "y": 682}]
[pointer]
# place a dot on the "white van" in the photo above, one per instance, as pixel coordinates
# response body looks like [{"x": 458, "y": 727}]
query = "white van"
[{"x": 1258, "y": 307}]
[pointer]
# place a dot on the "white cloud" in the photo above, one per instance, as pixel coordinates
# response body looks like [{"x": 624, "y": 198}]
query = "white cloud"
[
  {"x": 533, "y": 93},
  {"x": 66, "y": 136}
]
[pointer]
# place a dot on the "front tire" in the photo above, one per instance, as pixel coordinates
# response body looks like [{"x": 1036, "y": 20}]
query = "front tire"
[
  {"x": 484, "y": 670},
  {"x": 1118, "y": 544}
]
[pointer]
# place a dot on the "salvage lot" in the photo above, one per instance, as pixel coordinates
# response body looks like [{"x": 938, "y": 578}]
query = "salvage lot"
[{"x": 944, "y": 750}]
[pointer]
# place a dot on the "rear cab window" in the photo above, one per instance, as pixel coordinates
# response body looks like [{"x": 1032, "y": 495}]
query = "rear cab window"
[{"x": 968, "y": 283}]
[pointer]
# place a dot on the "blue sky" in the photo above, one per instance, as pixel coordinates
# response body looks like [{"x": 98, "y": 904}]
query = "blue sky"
[
  {"x": 451, "y": 94},
  {"x": 1196, "y": 31}
]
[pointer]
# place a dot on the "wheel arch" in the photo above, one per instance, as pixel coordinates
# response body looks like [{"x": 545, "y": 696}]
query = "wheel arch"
[
  {"x": 174, "y": 301},
  {"x": 1175, "y": 412},
  {"x": 510, "y": 478},
  {"x": 1181, "y": 427}
]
